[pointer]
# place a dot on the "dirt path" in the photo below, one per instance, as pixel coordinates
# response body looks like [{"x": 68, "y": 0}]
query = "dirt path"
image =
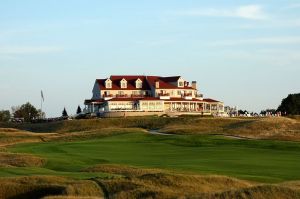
[{"x": 156, "y": 132}]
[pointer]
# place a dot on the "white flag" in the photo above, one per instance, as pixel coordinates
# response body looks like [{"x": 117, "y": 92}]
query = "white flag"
[{"x": 42, "y": 95}]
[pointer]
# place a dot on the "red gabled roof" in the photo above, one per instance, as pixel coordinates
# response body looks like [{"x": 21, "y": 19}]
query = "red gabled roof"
[
  {"x": 134, "y": 99},
  {"x": 183, "y": 100},
  {"x": 130, "y": 82},
  {"x": 170, "y": 79},
  {"x": 123, "y": 99},
  {"x": 88, "y": 101},
  {"x": 148, "y": 81},
  {"x": 165, "y": 82}
]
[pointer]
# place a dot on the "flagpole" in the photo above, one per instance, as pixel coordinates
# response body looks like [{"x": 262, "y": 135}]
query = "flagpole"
[{"x": 42, "y": 99}]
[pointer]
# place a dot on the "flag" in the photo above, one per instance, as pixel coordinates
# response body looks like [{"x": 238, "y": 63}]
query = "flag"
[{"x": 42, "y": 95}]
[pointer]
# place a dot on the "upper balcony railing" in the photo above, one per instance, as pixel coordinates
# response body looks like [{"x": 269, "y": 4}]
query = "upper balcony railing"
[
  {"x": 121, "y": 95},
  {"x": 135, "y": 95},
  {"x": 107, "y": 95},
  {"x": 163, "y": 94},
  {"x": 187, "y": 94}
]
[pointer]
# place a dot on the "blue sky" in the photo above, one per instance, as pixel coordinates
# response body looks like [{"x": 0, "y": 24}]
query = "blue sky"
[{"x": 245, "y": 53}]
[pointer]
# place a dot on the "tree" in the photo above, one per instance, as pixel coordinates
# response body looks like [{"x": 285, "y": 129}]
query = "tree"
[
  {"x": 78, "y": 110},
  {"x": 290, "y": 105},
  {"x": 64, "y": 113},
  {"x": 4, "y": 116},
  {"x": 26, "y": 111}
]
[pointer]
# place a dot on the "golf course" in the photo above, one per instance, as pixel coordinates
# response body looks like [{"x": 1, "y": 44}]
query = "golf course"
[{"x": 116, "y": 157}]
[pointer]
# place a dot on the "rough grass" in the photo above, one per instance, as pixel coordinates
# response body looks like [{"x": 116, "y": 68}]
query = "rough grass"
[
  {"x": 40, "y": 186},
  {"x": 150, "y": 183},
  {"x": 20, "y": 160},
  {"x": 146, "y": 183},
  {"x": 280, "y": 128},
  {"x": 263, "y": 128},
  {"x": 9, "y": 136},
  {"x": 109, "y": 140}
]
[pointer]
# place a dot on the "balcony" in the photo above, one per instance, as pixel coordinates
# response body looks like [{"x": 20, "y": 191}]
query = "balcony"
[
  {"x": 187, "y": 96},
  {"x": 164, "y": 95},
  {"x": 199, "y": 96},
  {"x": 121, "y": 96},
  {"x": 107, "y": 96},
  {"x": 137, "y": 96}
]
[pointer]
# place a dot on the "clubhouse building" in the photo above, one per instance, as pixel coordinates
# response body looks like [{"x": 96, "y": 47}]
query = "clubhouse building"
[{"x": 138, "y": 95}]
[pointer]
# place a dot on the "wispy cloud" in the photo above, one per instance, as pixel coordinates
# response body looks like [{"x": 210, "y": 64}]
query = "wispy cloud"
[
  {"x": 255, "y": 41},
  {"x": 253, "y": 12},
  {"x": 29, "y": 49}
]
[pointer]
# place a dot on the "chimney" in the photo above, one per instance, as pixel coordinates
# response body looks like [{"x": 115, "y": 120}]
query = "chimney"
[
  {"x": 156, "y": 84},
  {"x": 194, "y": 84}
]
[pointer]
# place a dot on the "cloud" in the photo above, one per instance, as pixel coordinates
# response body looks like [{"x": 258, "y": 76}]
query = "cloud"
[
  {"x": 252, "y": 12},
  {"x": 29, "y": 49},
  {"x": 255, "y": 41}
]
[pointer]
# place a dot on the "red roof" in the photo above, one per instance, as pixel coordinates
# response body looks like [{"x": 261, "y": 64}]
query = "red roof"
[
  {"x": 173, "y": 99},
  {"x": 134, "y": 99},
  {"x": 182, "y": 99},
  {"x": 148, "y": 82},
  {"x": 88, "y": 101},
  {"x": 210, "y": 100}
]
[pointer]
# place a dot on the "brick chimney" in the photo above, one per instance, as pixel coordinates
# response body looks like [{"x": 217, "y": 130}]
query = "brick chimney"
[
  {"x": 157, "y": 84},
  {"x": 194, "y": 84}
]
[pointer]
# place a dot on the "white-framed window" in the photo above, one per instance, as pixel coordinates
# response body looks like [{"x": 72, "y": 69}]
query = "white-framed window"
[
  {"x": 123, "y": 83},
  {"x": 108, "y": 83},
  {"x": 138, "y": 83},
  {"x": 180, "y": 84}
]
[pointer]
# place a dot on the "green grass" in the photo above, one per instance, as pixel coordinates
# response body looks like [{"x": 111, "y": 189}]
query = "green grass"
[{"x": 258, "y": 160}]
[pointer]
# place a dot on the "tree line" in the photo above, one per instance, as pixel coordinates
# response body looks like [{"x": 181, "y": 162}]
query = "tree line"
[{"x": 27, "y": 112}]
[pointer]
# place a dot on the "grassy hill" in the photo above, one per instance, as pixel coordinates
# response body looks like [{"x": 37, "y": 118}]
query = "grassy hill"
[{"x": 119, "y": 158}]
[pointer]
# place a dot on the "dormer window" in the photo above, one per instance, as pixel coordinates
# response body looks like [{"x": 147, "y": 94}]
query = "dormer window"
[
  {"x": 138, "y": 83},
  {"x": 123, "y": 83},
  {"x": 108, "y": 83},
  {"x": 180, "y": 82}
]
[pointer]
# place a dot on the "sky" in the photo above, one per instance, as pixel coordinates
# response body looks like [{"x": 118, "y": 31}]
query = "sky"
[{"x": 245, "y": 53}]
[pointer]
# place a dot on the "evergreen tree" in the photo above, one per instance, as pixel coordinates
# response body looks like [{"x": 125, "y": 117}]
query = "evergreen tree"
[
  {"x": 290, "y": 105},
  {"x": 64, "y": 113},
  {"x": 78, "y": 110}
]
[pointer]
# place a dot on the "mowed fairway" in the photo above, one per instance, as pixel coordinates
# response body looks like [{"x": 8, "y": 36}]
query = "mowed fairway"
[{"x": 258, "y": 160}]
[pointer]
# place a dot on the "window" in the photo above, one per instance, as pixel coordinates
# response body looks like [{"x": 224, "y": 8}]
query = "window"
[
  {"x": 121, "y": 92},
  {"x": 135, "y": 93},
  {"x": 181, "y": 84},
  {"x": 178, "y": 92},
  {"x": 152, "y": 105},
  {"x": 138, "y": 84},
  {"x": 108, "y": 83},
  {"x": 123, "y": 83}
]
